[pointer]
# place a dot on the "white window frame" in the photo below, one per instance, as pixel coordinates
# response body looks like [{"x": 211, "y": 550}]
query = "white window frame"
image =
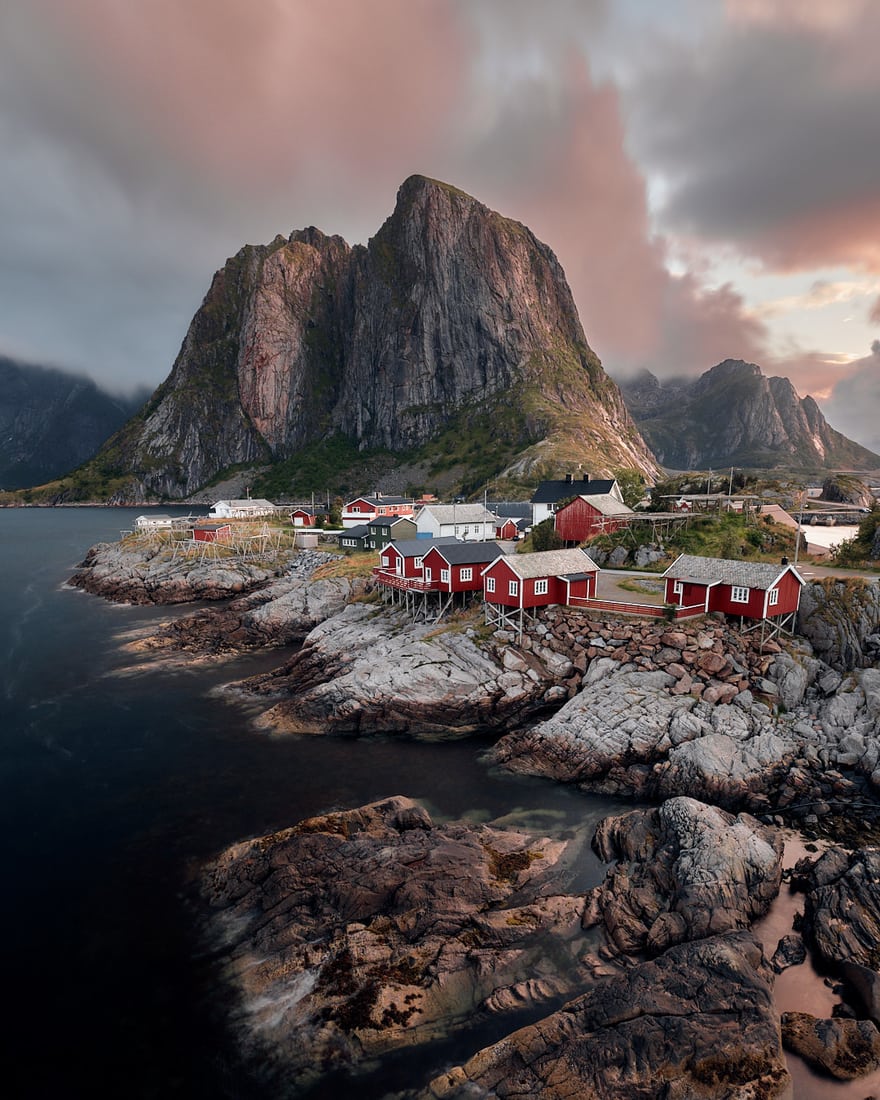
[
  {"x": 419, "y": 562},
  {"x": 444, "y": 576},
  {"x": 773, "y": 599},
  {"x": 541, "y": 587},
  {"x": 513, "y": 588},
  {"x": 386, "y": 561},
  {"x": 428, "y": 574},
  {"x": 466, "y": 574},
  {"x": 678, "y": 588},
  {"x": 490, "y": 584},
  {"x": 739, "y": 593}
]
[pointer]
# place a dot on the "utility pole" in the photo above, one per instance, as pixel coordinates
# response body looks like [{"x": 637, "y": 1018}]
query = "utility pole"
[{"x": 797, "y": 537}]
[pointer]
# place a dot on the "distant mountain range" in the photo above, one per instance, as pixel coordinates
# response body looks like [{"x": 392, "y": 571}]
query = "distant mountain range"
[
  {"x": 51, "y": 421},
  {"x": 450, "y": 342},
  {"x": 733, "y": 415}
]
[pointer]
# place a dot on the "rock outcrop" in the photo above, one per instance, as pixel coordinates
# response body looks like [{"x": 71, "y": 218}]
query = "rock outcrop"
[
  {"x": 841, "y": 620},
  {"x": 846, "y": 489},
  {"x": 734, "y": 415},
  {"x": 452, "y": 318},
  {"x": 369, "y": 671},
  {"x": 143, "y": 574},
  {"x": 371, "y": 929},
  {"x": 846, "y": 1049},
  {"x": 683, "y": 871},
  {"x": 697, "y": 1022},
  {"x": 282, "y": 612}
]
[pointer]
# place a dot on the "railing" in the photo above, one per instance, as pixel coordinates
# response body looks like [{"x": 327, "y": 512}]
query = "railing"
[
  {"x": 642, "y": 610},
  {"x": 406, "y": 584}
]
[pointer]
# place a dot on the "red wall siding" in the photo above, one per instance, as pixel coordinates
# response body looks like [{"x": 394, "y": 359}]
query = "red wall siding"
[
  {"x": 691, "y": 594},
  {"x": 789, "y": 595},
  {"x": 579, "y": 521},
  {"x": 557, "y": 589},
  {"x": 719, "y": 600}
]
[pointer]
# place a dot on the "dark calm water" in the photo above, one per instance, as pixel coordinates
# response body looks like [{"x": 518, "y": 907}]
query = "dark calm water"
[{"x": 114, "y": 786}]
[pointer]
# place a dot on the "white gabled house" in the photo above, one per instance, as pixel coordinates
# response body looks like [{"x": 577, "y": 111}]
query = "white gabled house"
[
  {"x": 549, "y": 494},
  {"x": 242, "y": 509},
  {"x": 153, "y": 523},
  {"x": 468, "y": 522}
]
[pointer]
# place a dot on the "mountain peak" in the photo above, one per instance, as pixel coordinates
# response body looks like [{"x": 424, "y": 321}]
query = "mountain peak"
[
  {"x": 453, "y": 322},
  {"x": 733, "y": 414}
]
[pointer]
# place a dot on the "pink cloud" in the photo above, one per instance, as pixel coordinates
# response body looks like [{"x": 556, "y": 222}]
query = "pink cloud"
[
  {"x": 589, "y": 202},
  {"x": 264, "y": 93}
]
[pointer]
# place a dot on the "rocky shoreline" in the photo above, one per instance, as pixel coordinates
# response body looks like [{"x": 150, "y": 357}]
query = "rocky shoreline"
[{"x": 373, "y": 929}]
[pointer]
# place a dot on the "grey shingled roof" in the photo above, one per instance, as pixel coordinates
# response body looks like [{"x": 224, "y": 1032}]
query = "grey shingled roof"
[
  {"x": 467, "y": 553},
  {"x": 748, "y": 574},
  {"x": 417, "y": 548},
  {"x": 607, "y": 504},
  {"x": 551, "y": 563},
  {"x": 360, "y": 531},
  {"x": 460, "y": 513}
]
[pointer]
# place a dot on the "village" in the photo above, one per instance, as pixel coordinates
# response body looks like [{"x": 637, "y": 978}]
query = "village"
[{"x": 430, "y": 558}]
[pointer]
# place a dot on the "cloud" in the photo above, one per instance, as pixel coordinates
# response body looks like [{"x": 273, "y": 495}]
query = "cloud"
[
  {"x": 854, "y": 404},
  {"x": 874, "y": 313},
  {"x": 558, "y": 161},
  {"x": 768, "y": 136}
]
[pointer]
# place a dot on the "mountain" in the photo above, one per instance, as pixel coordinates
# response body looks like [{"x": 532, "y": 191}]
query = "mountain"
[
  {"x": 733, "y": 415},
  {"x": 450, "y": 341},
  {"x": 51, "y": 421}
]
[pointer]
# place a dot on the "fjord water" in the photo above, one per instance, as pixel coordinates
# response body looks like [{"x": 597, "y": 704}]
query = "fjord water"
[{"x": 117, "y": 780}]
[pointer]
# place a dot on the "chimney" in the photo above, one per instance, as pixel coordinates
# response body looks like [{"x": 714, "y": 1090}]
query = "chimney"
[
  {"x": 586, "y": 479},
  {"x": 568, "y": 479}
]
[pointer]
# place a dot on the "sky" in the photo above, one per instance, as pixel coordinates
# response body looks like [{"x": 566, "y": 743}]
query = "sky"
[{"x": 707, "y": 171}]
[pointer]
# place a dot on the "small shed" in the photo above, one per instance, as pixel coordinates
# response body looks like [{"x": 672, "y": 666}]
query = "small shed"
[
  {"x": 306, "y": 516},
  {"x": 507, "y": 529},
  {"x": 751, "y": 590},
  {"x": 211, "y": 532}
]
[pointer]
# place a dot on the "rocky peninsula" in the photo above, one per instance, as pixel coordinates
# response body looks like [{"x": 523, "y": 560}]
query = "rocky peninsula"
[{"x": 374, "y": 929}]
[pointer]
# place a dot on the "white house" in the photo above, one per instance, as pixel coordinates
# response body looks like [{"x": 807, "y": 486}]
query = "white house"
[
  {"x": 468, "y": 522},
  {"x": 153, "y": 523},
  {"x": 550, "y": 494},
  {"x": 242, "y": 509}
]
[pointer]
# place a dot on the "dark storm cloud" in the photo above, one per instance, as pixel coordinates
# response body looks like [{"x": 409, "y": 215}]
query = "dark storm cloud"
[{"x": 770, "y": 137}]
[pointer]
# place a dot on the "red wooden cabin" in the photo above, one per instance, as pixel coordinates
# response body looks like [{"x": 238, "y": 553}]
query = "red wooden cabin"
[
  {"x": 212, "y": 532},
  {"x": 506, "y": 530},
  {"x": 306, "y": 516},
  {"x": 458, "y": 567},
  {"x": 586, "y": 516},
  {"x": 752, "y": 590},
  {"x": 541, "y": 579}
]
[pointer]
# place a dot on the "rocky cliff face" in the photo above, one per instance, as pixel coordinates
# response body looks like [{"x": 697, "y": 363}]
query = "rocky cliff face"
[
  {"x": 50, "y": 421},
  {"x": 734, "y": 415},
  {"x": 451, "y": 317}
]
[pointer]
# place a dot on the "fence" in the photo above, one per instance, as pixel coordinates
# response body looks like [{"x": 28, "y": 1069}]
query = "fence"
[{"x": 641, "y": 610}]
